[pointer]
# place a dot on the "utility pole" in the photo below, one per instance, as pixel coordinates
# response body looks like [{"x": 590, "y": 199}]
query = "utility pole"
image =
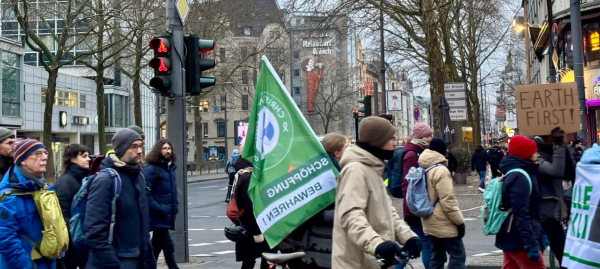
[
  {"x": 578, "y": 64},
  {"x": 551, "y": 70},
  {"x": 382, "y": 70},
  {"x": 176, "y": 131},
  {"x": 226, "y": 123}
]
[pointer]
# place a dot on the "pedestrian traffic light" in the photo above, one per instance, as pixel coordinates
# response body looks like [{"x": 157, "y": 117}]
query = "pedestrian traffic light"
[
  {"x": 195, "y": 64},
  {"x": 366, "y": 108},
  {"x": 355, "y": 112},
  {"x": 161, "y": 63},
  {"x": 388, "y": 117}
]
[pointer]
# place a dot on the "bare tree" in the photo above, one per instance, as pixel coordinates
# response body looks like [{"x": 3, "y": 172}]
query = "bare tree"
[
  {"x": 334, "y": 93},
  {"x": 56, "y": 53}
]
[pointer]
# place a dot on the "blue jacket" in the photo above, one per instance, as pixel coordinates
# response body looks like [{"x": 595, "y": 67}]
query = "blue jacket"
[
  {"x": 19, "y": 216},
  {"x": 230, "y": 165},
  {"x": 162, "y": 194},
  {"x": 526, "y": 229},
  {"x": 131, "y": 237}
]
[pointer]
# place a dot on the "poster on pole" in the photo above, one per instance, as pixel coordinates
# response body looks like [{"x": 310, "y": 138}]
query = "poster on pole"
[
  {"x": 394, "y": 100},
  {"x": 543, "y": 107}
]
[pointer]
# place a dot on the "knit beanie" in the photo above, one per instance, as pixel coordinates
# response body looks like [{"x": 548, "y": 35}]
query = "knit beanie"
[
  {"x": 5, "y": 133},
  {"x": 24, "y": 148},
  {"x": 421, "y": 130},
  {"x": 137, "y": 129},
  {"x": 522, "y": 147},
  {"x": 438, "y": 145},
  {"x": 123, "y": 139},
  {"x": 375, "y": 131}
]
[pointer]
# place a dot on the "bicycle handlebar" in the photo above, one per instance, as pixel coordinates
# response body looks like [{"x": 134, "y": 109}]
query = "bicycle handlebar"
[{"x": 401, "y": 260}]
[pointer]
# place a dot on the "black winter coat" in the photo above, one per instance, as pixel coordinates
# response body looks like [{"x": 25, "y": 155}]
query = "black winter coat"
[
  {"x": 247, "y": 249},
  {"x": 67, "y": 185},
  {"x": 526, "y": 228},
  {"x": 556, "y": 165},
  {"x": 162, "y": 195},
  {"x": 131, "y": 237},
  {"x": 479, "y": 161}
]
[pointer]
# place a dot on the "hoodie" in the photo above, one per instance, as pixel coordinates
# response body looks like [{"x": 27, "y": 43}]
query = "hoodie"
[
  {"x": 19, "y": 217},
  {"x": 364, "y": 215}
]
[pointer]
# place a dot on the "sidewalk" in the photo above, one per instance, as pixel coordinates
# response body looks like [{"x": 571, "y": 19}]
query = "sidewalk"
[{"x": 206, "y": 177}]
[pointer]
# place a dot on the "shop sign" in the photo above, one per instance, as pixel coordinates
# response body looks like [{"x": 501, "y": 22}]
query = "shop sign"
[
  {"x": 78, "y": 120},
  {"x": 595, "y": 41}
]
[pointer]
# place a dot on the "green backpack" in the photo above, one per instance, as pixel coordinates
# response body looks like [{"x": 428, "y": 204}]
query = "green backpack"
[{"x": 492, "y": 217}]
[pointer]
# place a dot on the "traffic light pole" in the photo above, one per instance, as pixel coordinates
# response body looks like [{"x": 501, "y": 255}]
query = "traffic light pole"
[{"x": 176, "y": 131}]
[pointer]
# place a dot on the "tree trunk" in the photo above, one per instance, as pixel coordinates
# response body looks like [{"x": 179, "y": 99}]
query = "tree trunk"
[
  {"x": 50, "y": 174},
  {"x": 100, "y": 92},
  {"x": 200, "y": 163},
  {"x": 436, "y": 67},
  {"x": 137, "y": 104}
]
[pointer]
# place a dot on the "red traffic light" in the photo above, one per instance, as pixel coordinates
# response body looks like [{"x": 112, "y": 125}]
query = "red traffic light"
[
  {"x": 160, "y": 64},
  {"x": 160, "y": 45},
  {"x": 355, "y": 112}
]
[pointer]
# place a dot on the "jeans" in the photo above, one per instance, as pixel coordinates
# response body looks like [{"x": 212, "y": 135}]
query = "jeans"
[
  {"x": 130, "y": 263},
  {"x": 453, "y": 246},
  {"x": 557, "y": 237},
  {"x": 482, "y": 179},
  {"x": 426, "y": 252},
  {"x": 161, "y": 240}
]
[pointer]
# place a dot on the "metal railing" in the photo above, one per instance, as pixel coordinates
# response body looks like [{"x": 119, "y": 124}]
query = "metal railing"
[{"x": 210, "y": 167}]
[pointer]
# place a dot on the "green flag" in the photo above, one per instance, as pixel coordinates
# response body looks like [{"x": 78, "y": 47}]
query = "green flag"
[{"x": 293, "y": 178}]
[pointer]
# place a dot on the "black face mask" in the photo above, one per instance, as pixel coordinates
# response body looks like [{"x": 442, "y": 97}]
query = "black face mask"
[{"x": 377, "y": 152}]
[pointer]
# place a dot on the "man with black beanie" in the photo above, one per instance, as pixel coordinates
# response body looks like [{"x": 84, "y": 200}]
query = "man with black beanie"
[
  {"x": 7, "y": 142},
  {"x": 129, "y": 246},
  {"x": 366, "y": 226}
]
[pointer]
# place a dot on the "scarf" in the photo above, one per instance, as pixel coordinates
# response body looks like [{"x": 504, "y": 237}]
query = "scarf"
[
  {"x": 40, "y": 181},
  {"x": 419, "y": 142},
  {"x": 377, "y": 152},
  {"x": 119, "y": 163}
]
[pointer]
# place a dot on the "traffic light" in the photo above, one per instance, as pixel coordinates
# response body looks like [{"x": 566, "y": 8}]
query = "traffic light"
[
  {"x": 388, "y": 117},
  {"x": 161, "y": 63},
  {"x": 195, "y": 64},
  {"x": 355, "y": 112},
  {"x": 366, "y": 108}
]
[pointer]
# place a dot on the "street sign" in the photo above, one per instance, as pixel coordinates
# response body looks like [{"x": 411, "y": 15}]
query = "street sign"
[
  {"x": 455, "y": 86},
  {"x": 454, "y": 95},
  {"x": 394, "y": 100},
  {"x": 467, "y": 134},
  {"x": 183, "y": 9},
  {"x": 458, "y": 114},
  {"x": 457, "y": 103}
]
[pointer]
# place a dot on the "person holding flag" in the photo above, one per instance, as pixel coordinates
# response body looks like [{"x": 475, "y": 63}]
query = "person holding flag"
[{"x": 366, "y": 225}]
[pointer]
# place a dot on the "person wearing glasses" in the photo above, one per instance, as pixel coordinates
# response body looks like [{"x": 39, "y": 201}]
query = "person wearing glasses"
[
  {"x": 20, "y": 223},
  {"x": 130, "y": 247}
]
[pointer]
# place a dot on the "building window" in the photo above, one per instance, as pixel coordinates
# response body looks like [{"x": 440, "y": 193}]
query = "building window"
[
  {"x": 244, "y": 51},
  {"x": 244, "y": 77},
  {"x": 203, "y": 106},
  {"x": 222, "y": 54},
  {"x": 221, "y": 153},
  {"x": 115, "y": 110},
  {"x": 82, "y": 101},
  {"x": 296, "y": 54},
  {"x": 244, "y": 102},
  {"x": 11, "y": 98},
  {"x": 223, "y": 102},
  {"x": 296, "y": 72},
  {"x": 247, "y": 30},
  {"x": 61, "y": 98},
  {"x": 281, "y": 75},
  {"x": 272, "y": 34},
  {"x": 221, "y": 129},
  {"x": 205, "y": 129},
  {"x": 296, "y": 90}
]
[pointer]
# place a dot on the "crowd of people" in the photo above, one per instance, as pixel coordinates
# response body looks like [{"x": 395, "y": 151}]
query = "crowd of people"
[
  {"x": 118, "y": 218},
  {"x": 360, "y": 230}
]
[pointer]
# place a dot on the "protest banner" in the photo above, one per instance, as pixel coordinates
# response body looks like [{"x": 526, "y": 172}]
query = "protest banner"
[
  {"x": 293, "y": 178},
  {"x": 542, "y": 107},
  {"x": 582, "y": 248}
]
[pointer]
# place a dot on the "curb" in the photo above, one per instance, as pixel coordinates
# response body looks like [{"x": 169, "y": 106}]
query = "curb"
[{"x": 204, "y": 180}]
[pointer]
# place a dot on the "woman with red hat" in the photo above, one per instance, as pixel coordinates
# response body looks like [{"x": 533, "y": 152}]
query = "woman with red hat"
[{"x": 520, "y": 236}]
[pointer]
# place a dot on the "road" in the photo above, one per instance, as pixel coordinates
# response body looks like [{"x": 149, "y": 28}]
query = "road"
[{"x": 210, "y": 249}]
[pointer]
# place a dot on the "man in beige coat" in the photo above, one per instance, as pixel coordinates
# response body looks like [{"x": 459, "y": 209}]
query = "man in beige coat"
[
  {"x": 366, "y": 224},
  {"x": 445, "y": 227}
]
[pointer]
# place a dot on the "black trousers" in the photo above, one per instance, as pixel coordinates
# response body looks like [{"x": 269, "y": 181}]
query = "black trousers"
[
  {"x": 557, "y": 237},
  {"x": 249, "y": 264},
  {"x": 74, "y": 258},
  {"x": 161, "y": 240},
  {"x": 453, "y": 246}
]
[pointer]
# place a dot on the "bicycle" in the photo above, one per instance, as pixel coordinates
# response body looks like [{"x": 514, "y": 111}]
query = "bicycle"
[
  {"x": 280, "y": 260},
  {"x": 400, "y": 261}
]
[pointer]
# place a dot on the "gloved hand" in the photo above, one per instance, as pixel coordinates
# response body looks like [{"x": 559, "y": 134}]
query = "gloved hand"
[
  {"x": 259, "y": 238},
  {"x": 388, "y": 251},
  {"x": 558, "y": 136},
  {"x": 461, "y": 230},
  {"x": 414, "y": 247},
  {"x": 545, "y": 242},
  {"x": 534, "y": 254}
]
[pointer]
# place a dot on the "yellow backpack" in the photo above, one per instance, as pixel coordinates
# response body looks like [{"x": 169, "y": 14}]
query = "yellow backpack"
[{"x": 55, "y": 235}]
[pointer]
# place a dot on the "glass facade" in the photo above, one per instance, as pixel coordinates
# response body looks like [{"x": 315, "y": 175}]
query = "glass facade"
[
  {"x": 116, "y": 110},
  {"x": 11, "y": 98}
]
